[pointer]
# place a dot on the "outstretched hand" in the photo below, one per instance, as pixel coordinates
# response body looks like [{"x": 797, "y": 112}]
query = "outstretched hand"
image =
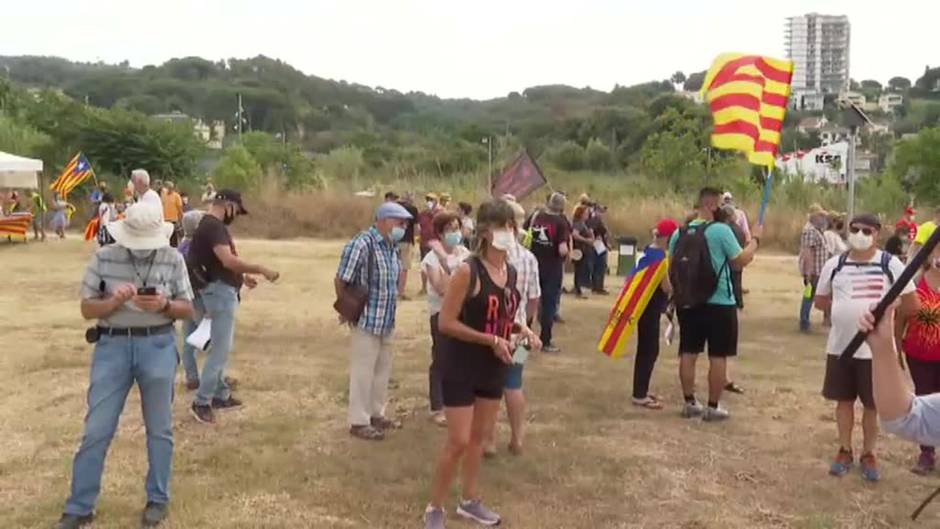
[{"x": 881, "y": 335}]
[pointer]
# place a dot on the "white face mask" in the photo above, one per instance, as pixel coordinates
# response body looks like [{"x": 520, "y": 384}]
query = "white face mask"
[
  {"x": 503, "y": 239},
  {"x": 860, "y": 242},
  {"x": 430, "y": 204}
]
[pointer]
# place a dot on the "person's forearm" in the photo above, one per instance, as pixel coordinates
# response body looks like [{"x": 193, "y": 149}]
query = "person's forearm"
[
  {"x": 892, "y": 396},
  {"x": 532, "y": 309},
  {"x": 747, "y": 255},
  {"x": 241, "y": 267},
  {"x": 96, "y": 309},
  {"x": 457, "y": 329},
  {"x": 179, "y": 309}
]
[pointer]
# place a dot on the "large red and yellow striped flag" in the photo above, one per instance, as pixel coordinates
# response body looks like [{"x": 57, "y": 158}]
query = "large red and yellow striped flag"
[
  {"x": 16, "y": 225},
  {"x": 77, "y": 171},
  {"x": 632, "y": 301},
  {"x": 748, "y": 96}
]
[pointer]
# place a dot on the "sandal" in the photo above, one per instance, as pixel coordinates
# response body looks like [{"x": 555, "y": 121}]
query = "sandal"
[
  {"x": 367, "y": 433},
  {"x": 734, "y": 388},
  {"x": 649, "y": 403}
]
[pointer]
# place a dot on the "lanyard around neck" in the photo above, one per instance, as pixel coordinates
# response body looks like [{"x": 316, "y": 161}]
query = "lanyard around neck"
[{"x": 153, "y": 257}]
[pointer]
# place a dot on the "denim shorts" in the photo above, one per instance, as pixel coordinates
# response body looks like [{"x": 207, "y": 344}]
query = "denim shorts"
[{"x": 514, "y": 376}]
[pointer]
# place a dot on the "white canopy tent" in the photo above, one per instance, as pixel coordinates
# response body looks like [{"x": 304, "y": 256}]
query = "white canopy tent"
[{"x": 17, "y": 172}]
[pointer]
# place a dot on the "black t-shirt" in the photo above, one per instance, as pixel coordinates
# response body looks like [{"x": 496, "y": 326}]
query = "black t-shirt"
[
  {"x": 409, "y": 237},
  {"x": 210, "y": 233},
  {"x": 549, "y": 231},
  {"x": 895, "y": 246}
]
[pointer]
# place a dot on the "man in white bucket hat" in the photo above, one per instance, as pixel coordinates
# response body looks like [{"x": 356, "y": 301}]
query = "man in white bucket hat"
[{"x": 135, "y": 288}]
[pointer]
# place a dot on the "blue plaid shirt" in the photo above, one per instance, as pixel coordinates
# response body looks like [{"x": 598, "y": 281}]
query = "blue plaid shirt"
[{"x": 379, "y": 315}]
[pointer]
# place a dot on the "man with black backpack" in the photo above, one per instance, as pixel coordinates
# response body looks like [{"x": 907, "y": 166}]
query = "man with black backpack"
[
  {"x": 850, "y": 284},
  {"x": 703, "y": 254}
]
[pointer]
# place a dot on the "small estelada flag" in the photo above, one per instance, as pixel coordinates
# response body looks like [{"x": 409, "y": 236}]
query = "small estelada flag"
[{"x": 632, "y": 301}]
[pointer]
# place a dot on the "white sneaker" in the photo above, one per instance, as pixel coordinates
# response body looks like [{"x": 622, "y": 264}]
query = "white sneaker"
[
  {"x": 692, "y": 409},
  {"x": 716, "y": 414}
]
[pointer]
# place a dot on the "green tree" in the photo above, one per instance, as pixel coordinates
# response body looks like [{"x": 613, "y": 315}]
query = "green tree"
[
  {"x": 237, "y": 169},
  {"x": 917, "y": 164},
  {"x": 343, "y": 164},
  {"x": 694, "y": 82},
  {"x": 678, "y": 78},
  {"x": 899, "y": 84},
  {"x": 597, "y": 155},
  {"x": 569, "y": 156}
]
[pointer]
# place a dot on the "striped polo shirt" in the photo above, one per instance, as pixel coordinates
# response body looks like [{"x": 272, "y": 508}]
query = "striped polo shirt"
[{"x": 114, "y": 265}]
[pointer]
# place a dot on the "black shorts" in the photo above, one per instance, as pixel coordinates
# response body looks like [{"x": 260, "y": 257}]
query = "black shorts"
[
  {"x": 713, "y": 325},
  {"x": 471, "y": 372},
  {"x": 849, "y": 380}
]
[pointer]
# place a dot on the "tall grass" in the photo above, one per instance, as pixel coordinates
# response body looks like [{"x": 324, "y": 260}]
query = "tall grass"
[{"x": 635, "y": 202}]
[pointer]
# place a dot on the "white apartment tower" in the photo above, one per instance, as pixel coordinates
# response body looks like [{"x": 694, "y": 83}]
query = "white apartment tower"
[{"x": 818, "y": 45}]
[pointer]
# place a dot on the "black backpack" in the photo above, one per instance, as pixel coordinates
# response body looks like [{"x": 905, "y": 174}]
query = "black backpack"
[
  {"x": 884, "y": 264},
  {"x": 693, "y": 277}
]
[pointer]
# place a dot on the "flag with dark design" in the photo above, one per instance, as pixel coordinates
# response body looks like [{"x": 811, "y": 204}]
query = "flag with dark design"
[{"x": 520, "y": 179}]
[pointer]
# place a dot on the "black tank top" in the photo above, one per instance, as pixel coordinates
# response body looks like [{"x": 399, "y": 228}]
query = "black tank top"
[{"x": 493, "y": 309}]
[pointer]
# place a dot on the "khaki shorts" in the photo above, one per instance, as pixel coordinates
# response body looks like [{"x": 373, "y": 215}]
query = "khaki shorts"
[{"x": 406, "y": 252}]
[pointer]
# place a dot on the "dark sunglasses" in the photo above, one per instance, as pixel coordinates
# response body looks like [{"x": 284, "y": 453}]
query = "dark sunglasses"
[{"x": 866, "y": 231}]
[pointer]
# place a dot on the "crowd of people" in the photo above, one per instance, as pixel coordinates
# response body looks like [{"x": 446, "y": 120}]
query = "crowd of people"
[{"x": 488, "y": 278}]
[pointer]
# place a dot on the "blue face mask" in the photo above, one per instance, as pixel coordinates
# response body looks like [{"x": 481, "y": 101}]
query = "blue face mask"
[
  {"x": 452, "y": 238},
  {"x": 397, "y": 234}
]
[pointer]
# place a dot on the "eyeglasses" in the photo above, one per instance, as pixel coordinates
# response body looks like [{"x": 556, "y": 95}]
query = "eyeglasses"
[{"x": 866, "y": 231}]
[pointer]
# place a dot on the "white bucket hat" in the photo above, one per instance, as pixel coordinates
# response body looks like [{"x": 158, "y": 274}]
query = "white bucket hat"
[{"x": 142, "y": 228}]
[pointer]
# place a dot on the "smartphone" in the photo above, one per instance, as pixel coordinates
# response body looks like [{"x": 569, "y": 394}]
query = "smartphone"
[{"x": 147, "y": 291}]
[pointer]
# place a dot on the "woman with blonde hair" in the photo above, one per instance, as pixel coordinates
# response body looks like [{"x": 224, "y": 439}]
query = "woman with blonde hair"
[{"x": 477, "y": 317}]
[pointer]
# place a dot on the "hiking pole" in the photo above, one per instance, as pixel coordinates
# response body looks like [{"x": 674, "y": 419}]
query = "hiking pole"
[
  {"x": 879, "y": 311},
  {"x": 768, "y": 186}
]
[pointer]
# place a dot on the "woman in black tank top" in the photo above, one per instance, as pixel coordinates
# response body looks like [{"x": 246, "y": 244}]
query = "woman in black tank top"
[{"x": 476, "y": 319}]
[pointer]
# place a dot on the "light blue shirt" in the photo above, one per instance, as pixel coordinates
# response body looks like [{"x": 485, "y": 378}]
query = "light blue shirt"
[
  {"x": 921, "y": 424},
  {"x": 723, "y": 247}
]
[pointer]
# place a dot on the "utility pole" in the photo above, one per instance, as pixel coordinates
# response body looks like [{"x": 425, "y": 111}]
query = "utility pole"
[
  {"x": 489, "y": 172},
  {"x": 850, "y": 170},
  {"x": 238, "y": 117}
]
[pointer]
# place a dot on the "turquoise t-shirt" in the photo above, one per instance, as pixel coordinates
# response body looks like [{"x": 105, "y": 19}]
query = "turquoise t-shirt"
[{"x": 723, "y": 247}]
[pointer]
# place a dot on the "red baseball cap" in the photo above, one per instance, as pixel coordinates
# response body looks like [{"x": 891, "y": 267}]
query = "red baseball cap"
[
  {"x": 666, "y": 227},
  {"x": 909, "y": 211}
]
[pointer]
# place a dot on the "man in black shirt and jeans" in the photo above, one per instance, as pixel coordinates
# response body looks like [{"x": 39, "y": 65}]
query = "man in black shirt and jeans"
[
  {"x": 550, "y": 235},
  {"x": 219, "y": 274}
]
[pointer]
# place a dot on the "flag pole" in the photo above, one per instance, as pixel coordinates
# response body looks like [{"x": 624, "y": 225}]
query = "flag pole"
[{"x": 768, "y": 185}]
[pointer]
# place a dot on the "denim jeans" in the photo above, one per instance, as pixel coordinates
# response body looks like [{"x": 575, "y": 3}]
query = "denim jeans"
[
  {"x": 189, "y": 352},
  {"x": 220, "y": 302},
  {"x": 118, "y": 362},
  {"x": 551, "y": 298},
  {"x": 583, "y": 270},
  {"x": 806, "y": 303}
]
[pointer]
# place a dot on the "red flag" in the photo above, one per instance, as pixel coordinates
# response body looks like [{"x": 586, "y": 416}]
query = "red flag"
[{"x": 520, "y": 179}]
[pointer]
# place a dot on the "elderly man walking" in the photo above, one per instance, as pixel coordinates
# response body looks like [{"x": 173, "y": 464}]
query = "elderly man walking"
[
  {"x": 135, "y": 288},
  {"x": 140, "y": 178},
  {"x": 214, "y": 258},
  {"x": 371, "y": 261}
]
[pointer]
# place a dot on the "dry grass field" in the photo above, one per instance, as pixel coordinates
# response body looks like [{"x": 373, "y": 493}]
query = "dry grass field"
[{"x": 286, "y": 461}]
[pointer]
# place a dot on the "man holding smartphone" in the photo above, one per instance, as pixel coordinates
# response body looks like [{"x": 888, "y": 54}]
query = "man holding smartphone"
[
  {"x": 135, "y": 289},
  {"x": 212, "y": 255}
]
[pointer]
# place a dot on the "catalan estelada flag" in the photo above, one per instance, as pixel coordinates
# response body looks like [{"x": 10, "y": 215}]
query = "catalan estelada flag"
[
  {"x": 748, "y": 96},
  {"x": 77, "y": 171},
  {"x": 632, "y": 301}
]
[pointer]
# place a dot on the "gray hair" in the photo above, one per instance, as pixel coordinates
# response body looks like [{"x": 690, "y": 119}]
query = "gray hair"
[
  {"x": 191, "y": 221},
  {"x": 140, "y": 175}
]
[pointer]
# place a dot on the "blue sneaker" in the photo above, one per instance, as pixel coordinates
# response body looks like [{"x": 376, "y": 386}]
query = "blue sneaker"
[
  {"x": 842, "y": 464},
  {"x": 870, "y": 470}
]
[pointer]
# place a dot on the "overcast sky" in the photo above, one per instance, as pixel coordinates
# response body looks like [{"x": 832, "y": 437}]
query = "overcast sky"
[{"x": 461, "y": 48}]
